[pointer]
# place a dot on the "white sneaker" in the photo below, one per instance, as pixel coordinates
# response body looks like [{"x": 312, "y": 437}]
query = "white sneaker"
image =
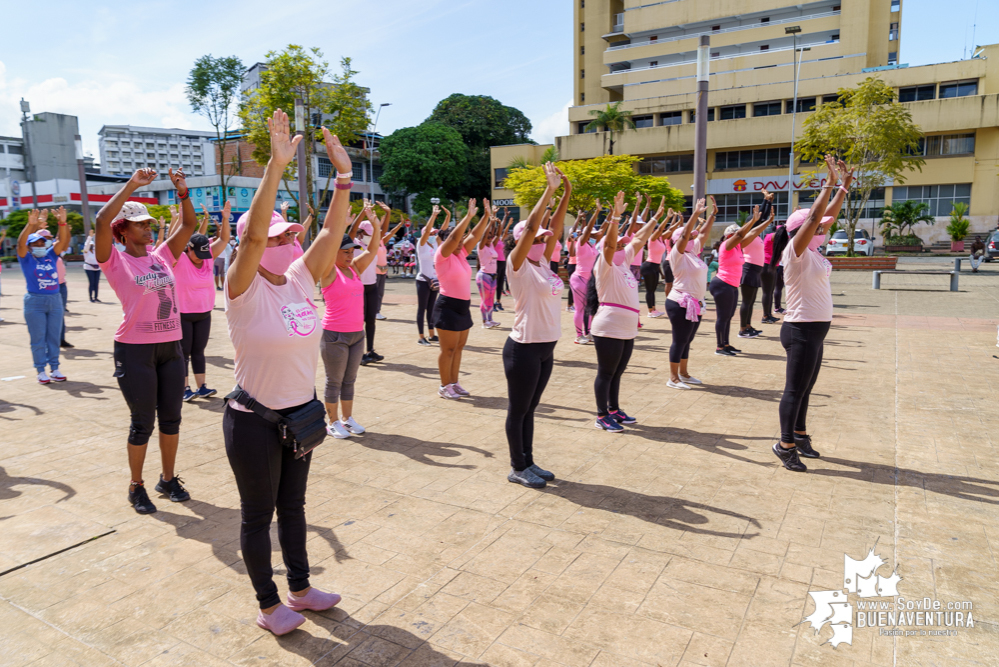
[
  {"x": 690, "y": 380},
  {"x": 570, "y": 309},
  {"x": 337, "y": 430},
  {"x": 656, "y": 313},
  {"x": 446, "y": 391},
  {"x": 493, "y": 324},
  {"x": 57, "y": 376},
  {"x": 379, "y": 316},
  {"x": 352, "y": 426},
  {"x": 43, "y": 378},
  {"x": 458, "y": 389},
  {"x": 582, "y": 340},
  {"x": 677, "y": 385}
]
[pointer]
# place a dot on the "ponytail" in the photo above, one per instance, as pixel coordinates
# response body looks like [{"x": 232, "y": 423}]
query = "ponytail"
[
  {"x": 781, "y": 239},
  {"x": 592, "y": 298}
]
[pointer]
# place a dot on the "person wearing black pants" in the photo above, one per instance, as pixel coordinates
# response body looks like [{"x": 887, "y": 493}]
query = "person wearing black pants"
[
  {"x": 570, "y": 268},
  {"x": 650, "y": 276},
  {"x": 613, "y": 355},
  {"x": 803, "y": 342},
  {"x": 148, "y": 375},
  {"x": 684, "y": 331},
  {"x": 500, "y": 283},
  {"x": 778, "y": 288},
  {"x": 528, "y": 367},
  {"x": 370, "y": 310},
  {"x": 195, "y": 329},
  {"x": 750, "y": 287},
  {"x": 426, "y": 297},
  {"x": 726, "y": 298},
  {"x": 426, "y": 277},
  {"x": 767, "y": 279}
]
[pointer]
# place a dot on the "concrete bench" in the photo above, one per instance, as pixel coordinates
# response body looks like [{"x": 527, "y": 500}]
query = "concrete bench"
[
  {"x": 876, "y": 283},
  {"x": 958, "y": 260}
]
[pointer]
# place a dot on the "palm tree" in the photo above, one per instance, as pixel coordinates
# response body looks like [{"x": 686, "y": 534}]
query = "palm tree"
[
  {"x": 904, "y": 215},
  {"x": 612, "y": 119}
]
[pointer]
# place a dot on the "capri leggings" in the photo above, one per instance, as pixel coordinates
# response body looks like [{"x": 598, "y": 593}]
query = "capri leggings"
[
  {"x": 613, "y": 355},
  {"x": 425, "y": 300},
  {"x": 342, "y": 354},
  {"x": 151, "y": 378},
  {"x": 683, "y": 331},
  {"x": 486, "y": 283},
  {"x": 195, "y": 328},
  {"x": 650, "y": 274},
  {"x": 726, "y": 299}
]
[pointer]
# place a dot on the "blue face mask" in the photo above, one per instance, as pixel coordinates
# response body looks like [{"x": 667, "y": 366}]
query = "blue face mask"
[{"x": 39, "y": 251}]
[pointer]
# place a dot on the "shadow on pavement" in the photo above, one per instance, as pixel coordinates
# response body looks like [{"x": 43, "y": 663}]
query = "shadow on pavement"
[
  {"x": 421, "y": 450},
  {"x": 78, "y": 389},
  {"x": 7, "y": 483},
  {"x": 715, "y": 443},
  {"x": 965, "y": 488}
]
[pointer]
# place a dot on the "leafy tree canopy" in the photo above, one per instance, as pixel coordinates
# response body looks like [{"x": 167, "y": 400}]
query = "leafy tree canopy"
[
  {"x": 16, "y": 220},
  {"x": 429, "y": 159},
  {"x": 213, "y": 90}
]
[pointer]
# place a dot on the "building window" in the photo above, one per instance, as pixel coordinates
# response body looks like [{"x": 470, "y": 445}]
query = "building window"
[
  {"x": 766, "y": 109},
  {"x": 765, "y": 47},
  {"x": 765, "y": 19},
  {"x": 582, "y": 27},
  {"x": 711, "y": 115},
  {"x": 893, "y": 57},
  {"x": 940, "y": 198},
  {"x": 804, "y": 104},
  {"x": 643, "y": 121},
  {"x": 917, "y": 93},
  {"x": 654, "y": 38},
  {"x": 357, "y": 169},
  {"x": 583, "y": 130},
  {"x": 959, "y": 89},
  {"x": 733, "y": 112},
  {"x": 499, "y": 175},
  {"x": 582, "y": 97},
  {"x": 15, "y": 150},
  {"x": 582, "y": 74},
  {"x": 671, "y": 118},
  {"x": 761, "y": 157},
  {"x": 834, "y": 38},
  {"x": 896, "y": 5},
  {"x": 582, "y": 50},
  {"x": 826, "y": 99},
  {"x": 657, "y": 166},
  {"x": 325, "y": 166},
  {"x": 653, "y": 63},
  {"x": 893, "y": 32},
  {"x": 715, "y": 28},
  {"x": 947, "y": 144},
  {"x": 729, "y": 206}
]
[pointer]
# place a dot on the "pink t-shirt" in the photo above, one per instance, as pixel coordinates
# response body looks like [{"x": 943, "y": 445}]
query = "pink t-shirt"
[
  {"x": 754, "y": 252},
  {"x": 806, "y": 279},
  {"x": 454, "y": 274},
  {"x": 344, "y": 299},
  {"x": 586, "y": 255},
  {"x": 616, "y": 285},
  {"x": 381, "y": 259},
  {"x": 537, "y": 295},
  {"x": 690, "y": 275},
  {"x": 487, "y": 259},
  {"x": 572, "y": 255},
  {"x": 61, "y": 270},
  {"x": 768, "y": 248},
  {"x": 656, "y": 251},
  {"x": 145, "y": 286},
  {"x": 637, "y": 259},
  {"x": 557, "y": 253},
  {"x": 275, "y": 332},
  {"x": 195, "y": 287},
  {"x": 500, "y": 246},
  {"x": 730, "y": 264}
]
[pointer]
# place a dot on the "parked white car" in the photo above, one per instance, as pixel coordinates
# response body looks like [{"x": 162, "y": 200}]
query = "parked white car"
[{"x": 863, "y": 244}]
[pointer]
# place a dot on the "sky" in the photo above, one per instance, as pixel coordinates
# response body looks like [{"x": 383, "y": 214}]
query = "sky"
[{"x": 127, "y": 62}]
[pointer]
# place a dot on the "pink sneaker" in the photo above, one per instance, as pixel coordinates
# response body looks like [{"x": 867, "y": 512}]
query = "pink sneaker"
[
  {"x": 315, "y": 599},
  {"x": 458, "y": 389},
  {"x": 448, "y": 392},
  {"x": 281, "y": 622}
]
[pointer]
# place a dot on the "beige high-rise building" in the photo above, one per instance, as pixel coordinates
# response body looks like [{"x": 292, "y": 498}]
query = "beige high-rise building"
[{"x": 642, "y": 53}]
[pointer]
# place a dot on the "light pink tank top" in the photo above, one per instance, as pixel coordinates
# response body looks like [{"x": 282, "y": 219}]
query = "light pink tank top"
[{"x": 344, "y": 299}]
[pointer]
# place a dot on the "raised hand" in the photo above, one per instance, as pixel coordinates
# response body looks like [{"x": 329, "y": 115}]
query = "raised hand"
[
  {"x": 756, "y": 213},
  {"x": 178, "y": 179},
  {"x": 174, "y": 213},
  {"x": 283, "y": 145},
  {"x": 619, "y": 205},
  {"x": 60, "y": 214},
  {"x": 831, "y": 165},
  {"x": 437, "y": 209},
  {"x": 226, "y": 211},
  {"x": 599, "y": 207},
  {"x": 552, "y": 176},
  {"x": 32, "y": 221},
  {"x": 142, "y": 177},
  {"x": 285, "y": 205},
  {"x": 472, "y": 208},
  {"x": 336, "y": 152},
  {"x": 385, "y": 207},
  {"x": 43, "y": 218}
]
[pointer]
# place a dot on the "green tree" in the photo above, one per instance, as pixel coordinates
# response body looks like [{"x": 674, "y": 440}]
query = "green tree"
[
  {"x": 599, "y": 178},
  {"x": 213, "y": 90},
  {"x": 612, "y": 119},
  {"x": 429, "y": 159},
  {"x": 482, "y": 122},
  {"x": 16, "y": 220},
  {"x": 872, "y": 133},
  {"x": 898, "y": 220}
]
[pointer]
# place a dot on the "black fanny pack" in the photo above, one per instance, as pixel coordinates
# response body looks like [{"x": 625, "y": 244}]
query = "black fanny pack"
[
  {"x": 434, "y": 284},
  {"x": 301, "y": 431}
]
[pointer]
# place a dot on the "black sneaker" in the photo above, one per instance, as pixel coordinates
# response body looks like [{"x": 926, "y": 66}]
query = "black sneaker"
[
  {"x": 769, "y": 320},
  {"x": 375, "y": 356},
  {"x": 724, "y": 352},
  {"x": 173, "y": 489},
  {"x": 732, "y": 349},
  {"x": 803, "y": 443},
  {"x": 366, "y": 359},
  {"x": 789, "y": 457},
  {"x": 139, "y": 499},
  {"x": 542, "y": 473},
  {"x": 779, "y": 310},
  {"x": 66, "y": 344},
  {"x": 497, "y": 306},
  {"x": 433, "y": 339},
  {"x": 749, "y": 333},
  {"x": 424, "y": 342}
]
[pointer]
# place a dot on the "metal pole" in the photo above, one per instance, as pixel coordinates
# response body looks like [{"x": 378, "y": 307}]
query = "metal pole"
[
  {"x": 371, "y": 157},
  {"x": 303, "y": 171},
  {"x": 794, "y": 113},
  {"x": 84, "y": 200},
  {"x": 701, "y": 119},
  {"x": 25, "y": 108}
]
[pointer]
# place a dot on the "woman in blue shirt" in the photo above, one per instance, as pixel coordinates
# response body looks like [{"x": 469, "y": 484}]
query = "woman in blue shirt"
[{"x": 43, "y": 307}]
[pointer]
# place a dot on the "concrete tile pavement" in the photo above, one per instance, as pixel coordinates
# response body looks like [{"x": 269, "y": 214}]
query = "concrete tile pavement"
[{"x": 680, "y": 542}]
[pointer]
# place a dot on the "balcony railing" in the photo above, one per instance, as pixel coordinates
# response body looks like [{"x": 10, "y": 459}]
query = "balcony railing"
[{"x": 661, "y": 40}]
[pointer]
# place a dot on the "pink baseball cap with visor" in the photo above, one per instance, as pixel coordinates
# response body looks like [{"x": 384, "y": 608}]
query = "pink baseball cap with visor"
[
  {"x": 278, "y": 225},
  {"x": 521, "y": 227}
]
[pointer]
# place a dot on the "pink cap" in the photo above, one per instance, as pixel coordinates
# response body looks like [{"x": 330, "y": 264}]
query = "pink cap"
[
  {"x": 278, "y": 225},
  {"x": 367, "y": 228},
  {"x": 521, "y": 227},
  {"x": 798, "y": 218},
  {"x": 46, "y": 233}
]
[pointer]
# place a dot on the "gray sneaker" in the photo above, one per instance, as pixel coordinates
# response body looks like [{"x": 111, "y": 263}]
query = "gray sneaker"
[
  {"x": 527, "y": 478},
  {"x": 542, "y": 473}
]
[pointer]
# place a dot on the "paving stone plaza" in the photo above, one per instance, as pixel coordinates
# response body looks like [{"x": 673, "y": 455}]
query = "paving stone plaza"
[{"x": 681, "y": 541}]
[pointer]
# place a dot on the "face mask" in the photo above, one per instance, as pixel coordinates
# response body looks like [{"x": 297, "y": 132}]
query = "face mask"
[
  {"x": 816, "y": 241},
  {"x": 618, "y": 258},
  {"x": 298, "y": 250},
  {"x": 39, "y": 252},
  {"x": 278, "y": 259},
  {"x": 537, "y": 252}
]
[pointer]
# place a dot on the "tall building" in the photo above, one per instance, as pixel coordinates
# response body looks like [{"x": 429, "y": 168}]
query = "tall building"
[
  {"x": 642, "y": 53},
  {"x": 125, "y": 148}
]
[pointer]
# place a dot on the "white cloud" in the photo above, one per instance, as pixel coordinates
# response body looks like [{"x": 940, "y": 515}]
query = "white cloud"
[{"x": 555, "y": 125}]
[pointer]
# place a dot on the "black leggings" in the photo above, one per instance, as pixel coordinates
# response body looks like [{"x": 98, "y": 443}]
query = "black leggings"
[
  {"x": 380, "y": 283},
  {"x": 500, "y": 279},
  {"x": 570, "y": 269},
  {"x": 778, "y": 285},
  {"x": 93, "y": 282},
  {"x": 425, "y": 300},
  {"x": 613, "y": 355},
  {"x": 650, "y": 274},
  {"x": 268, "y": 477},
  {"x": 151, "y": 378},
  {"x": 528, "y": 366},
  {"x": 803, "y": 343},
  {"x": 683, "y": 331},
  {"x": 748, "y": 303},
  {"x": 195, "y": 328},
  {"x": 767, "y": 278},
  {"x": 370, "y": 310},
  {"x": 726, "y": 298}
]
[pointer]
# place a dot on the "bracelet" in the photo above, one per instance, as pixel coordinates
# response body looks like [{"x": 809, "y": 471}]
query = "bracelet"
[
  {"x": 346, "y": 174},
  {"x": 182, "y": 197},
  {"x": 343, "y": 186},
  {"x": 843, "y": 188}
]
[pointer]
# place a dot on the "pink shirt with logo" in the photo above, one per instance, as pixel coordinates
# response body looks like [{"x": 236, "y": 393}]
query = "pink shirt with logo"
[
  {"x": 146, "y": 288},
  {"x": 275, "y": 332},
  {"x": 657, "y": 249},
  {"x": 637, "y": 259},
  {"x": 754, "y": 252},
  {"x": 806, "y": 281},
  {"x": 195, "y": 287},
  {"x": 344, "y": 299},
  {"x": 487, "y": 259},
  {"x": 690, "y": 275},
  {"x": 730, "y": 264},
  {"x": 537, "y": 294},
  {"x": 454, "y": 273},
  {"x": 616, "y": 285}
]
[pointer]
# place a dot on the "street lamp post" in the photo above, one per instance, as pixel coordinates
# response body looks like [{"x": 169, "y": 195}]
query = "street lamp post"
[
  {"x": 701, "y": 118},
  {"x": 25, "y": 109},
  {"x": 793, "y": 31},
  {"x": 82, "y": 171},
  {"x": 371, "y": 153}
]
